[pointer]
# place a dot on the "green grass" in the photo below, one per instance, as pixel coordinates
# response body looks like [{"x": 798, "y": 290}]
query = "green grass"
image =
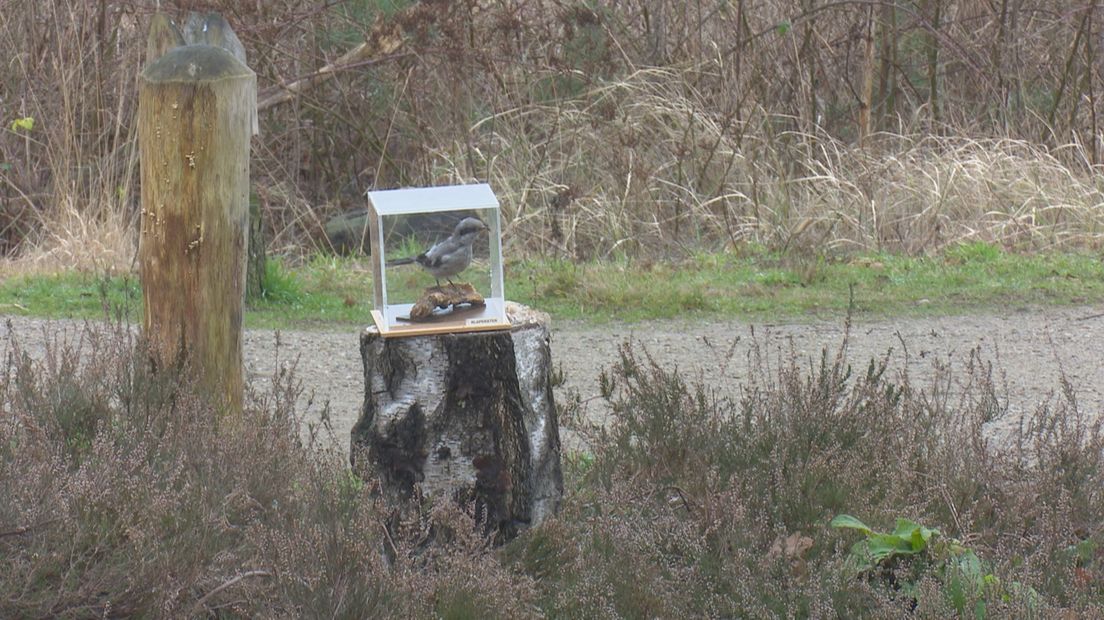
[
  {"x": 78, "y": 295},
  {"x": 324, "y": 291},
  {"x": 765, "y": 286},
  {"x": 755, "y": 286}
]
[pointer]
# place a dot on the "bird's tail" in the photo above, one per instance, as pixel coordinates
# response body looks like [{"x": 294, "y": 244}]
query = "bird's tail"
[{"x": 400, "y": 261}]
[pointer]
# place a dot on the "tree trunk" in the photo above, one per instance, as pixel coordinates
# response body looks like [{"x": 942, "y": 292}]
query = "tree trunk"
[
  {"x": 255, "y": 285},
  {"x": 866, "y": 95},
  {"x": 887, "y": 77},
  {"x": 933, "y": 10},
  {"x": 467, "y": 417}
]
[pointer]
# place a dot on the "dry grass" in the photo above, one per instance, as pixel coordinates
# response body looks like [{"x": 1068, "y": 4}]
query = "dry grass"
[
  {"x": 72, "y": 241},
  {"x": 70, "y": 181},
  {"x": 784, "y": 190},
  {"x": 649, "y": 127}
]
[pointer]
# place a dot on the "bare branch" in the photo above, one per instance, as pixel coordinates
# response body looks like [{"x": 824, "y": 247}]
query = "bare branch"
[{"x": 384, "y": 42}]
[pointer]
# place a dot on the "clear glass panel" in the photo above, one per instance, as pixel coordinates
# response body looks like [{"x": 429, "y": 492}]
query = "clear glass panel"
[{"x": 422, "y": 239}]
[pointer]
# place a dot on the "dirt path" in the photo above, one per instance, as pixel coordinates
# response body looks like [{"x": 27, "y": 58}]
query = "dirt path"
[{"x": 1031, "y": 347}]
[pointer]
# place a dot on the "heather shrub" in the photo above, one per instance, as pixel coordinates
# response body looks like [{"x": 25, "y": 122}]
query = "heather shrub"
[
  {"x": 129, "y": 492},
  {"x": 698, "y": 503},
  {"x": 124, "y": 492}
]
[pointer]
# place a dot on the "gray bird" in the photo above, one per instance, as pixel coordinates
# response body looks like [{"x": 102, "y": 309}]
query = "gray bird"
[{"x": 451, "y": 256}]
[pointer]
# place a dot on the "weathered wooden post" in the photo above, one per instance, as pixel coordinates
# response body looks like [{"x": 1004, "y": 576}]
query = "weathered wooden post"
[{"x": 197, "y": 111}]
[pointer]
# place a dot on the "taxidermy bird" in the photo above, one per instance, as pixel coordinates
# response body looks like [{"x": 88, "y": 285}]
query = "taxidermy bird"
[{"x": 451, "y": 256}]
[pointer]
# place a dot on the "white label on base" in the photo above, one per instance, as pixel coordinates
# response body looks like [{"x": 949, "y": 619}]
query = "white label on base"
[{"x": 483, "y": 321}]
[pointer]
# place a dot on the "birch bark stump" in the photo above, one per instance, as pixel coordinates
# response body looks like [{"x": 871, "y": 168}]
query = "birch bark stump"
[
  {"x": 197, "y": 108},
  {"x": 468, "y": 417}
]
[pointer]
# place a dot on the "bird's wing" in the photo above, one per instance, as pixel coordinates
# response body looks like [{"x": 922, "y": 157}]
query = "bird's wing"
[{"x": 433, "y": 256}]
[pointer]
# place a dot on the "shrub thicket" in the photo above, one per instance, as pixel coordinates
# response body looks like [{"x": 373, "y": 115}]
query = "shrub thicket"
[
  {"x": 124, "y": 493},
  {"x": 630, "y": 127}
]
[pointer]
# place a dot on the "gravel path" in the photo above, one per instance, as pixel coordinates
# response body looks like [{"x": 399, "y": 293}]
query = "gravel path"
[{"x": 1031, "y": 347}]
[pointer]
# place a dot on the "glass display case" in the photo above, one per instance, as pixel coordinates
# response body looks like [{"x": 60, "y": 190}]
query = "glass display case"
[{"x": 436, "y": 260}]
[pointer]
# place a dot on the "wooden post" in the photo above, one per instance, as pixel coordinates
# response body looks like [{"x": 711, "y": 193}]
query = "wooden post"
[{"x": 197, "y": 109}]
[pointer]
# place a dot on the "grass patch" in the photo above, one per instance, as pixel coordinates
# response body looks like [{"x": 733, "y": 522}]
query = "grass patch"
[
  {"x": 323, "y": 291},
  {"x": 69, "y": 294},
  {"x": 768, "y": 285},
  {"x": 756, "y": 286}
]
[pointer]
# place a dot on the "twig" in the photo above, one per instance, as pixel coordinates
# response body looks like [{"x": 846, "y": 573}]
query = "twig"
[
  {"x": 390, "y": 541},
  {"x": 27, "y": 528},
  {"x": 689, "y": 505},
  {"x": 1091, "y": 316},
  {"x": 226, "y": 584},
  {"x": 384, "y": 42},
  {"x": 286, "y": 92}
]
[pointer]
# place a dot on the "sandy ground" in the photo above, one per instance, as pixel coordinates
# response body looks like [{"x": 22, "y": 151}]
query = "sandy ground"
[{"x": 1031, "y": 349}]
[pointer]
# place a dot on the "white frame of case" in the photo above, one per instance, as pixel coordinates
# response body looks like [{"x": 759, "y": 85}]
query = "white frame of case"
[{"x": 397, "y": 202}]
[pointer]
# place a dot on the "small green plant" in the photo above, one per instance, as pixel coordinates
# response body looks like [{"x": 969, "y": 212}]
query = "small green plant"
[
  {"x": 1086, "y": 553},
  {"x": 973, "y": 252},
  {"x": 408, "y": 246},
  {"x": 578, "y": 462},
  {"x": 23, "y": 124},
  {"x": 908, "y": 538},
  {"x": 281, "y": 285},
  {"x": 967, "y": 581}
]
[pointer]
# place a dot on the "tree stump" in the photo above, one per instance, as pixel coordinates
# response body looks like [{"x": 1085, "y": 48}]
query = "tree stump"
[{"x": 465, "y": 416}]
